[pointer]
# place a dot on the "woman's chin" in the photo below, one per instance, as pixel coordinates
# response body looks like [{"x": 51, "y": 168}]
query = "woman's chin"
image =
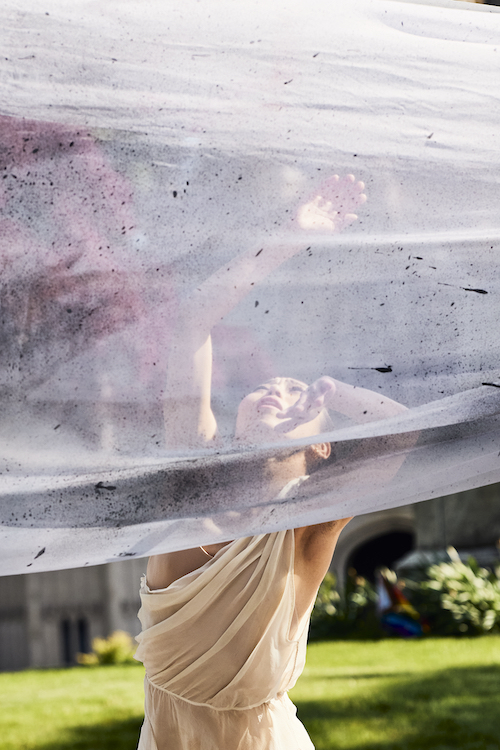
[
  {"x": 259, "y": 434},
  {"x": 263, "y": 435}
]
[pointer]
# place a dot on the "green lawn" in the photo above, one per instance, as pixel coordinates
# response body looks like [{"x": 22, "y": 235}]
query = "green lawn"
[
  {"x": 439, "y": 694},
  {"x": 86, "y": 708}
]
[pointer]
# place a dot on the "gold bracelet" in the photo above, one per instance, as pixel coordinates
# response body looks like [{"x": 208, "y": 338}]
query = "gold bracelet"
[{"x": 207, "y": 553}]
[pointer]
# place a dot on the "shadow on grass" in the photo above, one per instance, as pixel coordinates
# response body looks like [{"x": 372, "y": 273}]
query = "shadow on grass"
[
  {"x": 359, "y": 675},
  {"x": 453, "y": 709},
  {"x": 116, "y": 735},
  {"x": 456, "y": 709}
]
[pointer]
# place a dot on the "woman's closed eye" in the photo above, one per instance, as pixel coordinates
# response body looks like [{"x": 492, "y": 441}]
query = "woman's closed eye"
[{"x": 260, "y": 388}]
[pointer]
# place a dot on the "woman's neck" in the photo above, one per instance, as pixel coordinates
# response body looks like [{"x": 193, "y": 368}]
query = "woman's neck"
[{"x": 279, "y": 470}]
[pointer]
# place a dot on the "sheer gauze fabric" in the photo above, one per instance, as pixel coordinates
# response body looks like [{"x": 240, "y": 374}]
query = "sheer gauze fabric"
[
  {"x": 221, "y": 647},
  {"x": 145, "y": 146}
]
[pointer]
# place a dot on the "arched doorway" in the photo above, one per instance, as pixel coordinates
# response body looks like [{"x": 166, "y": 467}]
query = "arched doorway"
[
  {"x": 381, "y": 551},
  {"x": 374, "y": 540}
]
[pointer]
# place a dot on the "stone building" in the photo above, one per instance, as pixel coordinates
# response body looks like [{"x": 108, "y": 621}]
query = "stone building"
[{"x": 47, "y": 618}]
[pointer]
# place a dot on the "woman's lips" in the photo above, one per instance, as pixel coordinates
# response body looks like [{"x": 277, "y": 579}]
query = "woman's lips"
[{"x": 270, "y": 401}]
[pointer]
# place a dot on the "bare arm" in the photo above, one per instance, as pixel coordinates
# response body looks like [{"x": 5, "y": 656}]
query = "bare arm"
[
  {"x": 314, "y": 548},
  {"x": 189, "y": 420},
  {"x": 379, "y": 460},
  {"x": 362, "y": 405}
]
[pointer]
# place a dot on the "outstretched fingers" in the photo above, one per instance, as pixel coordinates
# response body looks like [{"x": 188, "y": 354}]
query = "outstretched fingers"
[
  {"x": 305, "y": 409},
  {"x": 333, "y": 205},
  {"x": 343, "y": 192},
  {"x": 311, "y": 401}
]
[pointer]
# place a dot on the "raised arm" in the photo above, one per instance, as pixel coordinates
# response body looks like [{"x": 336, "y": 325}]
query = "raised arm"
[
  {"x": 359, "y": 404},
  {"x": 378, "y": 459},
  {"x": 189, "y": 420}
]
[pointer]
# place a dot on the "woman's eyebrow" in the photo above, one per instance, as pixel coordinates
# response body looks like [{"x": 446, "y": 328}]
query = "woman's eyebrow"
[{"x": 297, "y": 384}]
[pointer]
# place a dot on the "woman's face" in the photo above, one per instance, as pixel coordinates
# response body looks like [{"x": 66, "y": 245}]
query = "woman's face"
[{"x": 257, "y": 419}]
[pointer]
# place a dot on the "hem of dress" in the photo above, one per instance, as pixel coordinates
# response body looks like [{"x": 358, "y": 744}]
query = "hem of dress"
[{"x": 215, "y": 708}]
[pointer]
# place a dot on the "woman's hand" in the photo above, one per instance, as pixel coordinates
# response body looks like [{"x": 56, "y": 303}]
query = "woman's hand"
[
  {"x": 330, "y": 209},
  {"x": 310, "y": 403}
]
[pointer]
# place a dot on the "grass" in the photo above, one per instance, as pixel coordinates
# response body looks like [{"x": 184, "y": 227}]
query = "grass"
[
  {"x": 93, "y": 708},
  {"x": 435, "y": 694}
]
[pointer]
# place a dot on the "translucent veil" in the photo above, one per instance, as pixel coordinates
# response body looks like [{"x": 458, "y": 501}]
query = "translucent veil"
[{"x": 143, "y": 146}]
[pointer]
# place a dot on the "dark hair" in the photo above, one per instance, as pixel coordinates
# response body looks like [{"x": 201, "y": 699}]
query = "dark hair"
[{"x": 313, "y": 463}]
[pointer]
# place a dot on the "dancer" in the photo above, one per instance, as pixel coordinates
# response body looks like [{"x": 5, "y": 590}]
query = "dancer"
[{"x": 225, "y": 625}]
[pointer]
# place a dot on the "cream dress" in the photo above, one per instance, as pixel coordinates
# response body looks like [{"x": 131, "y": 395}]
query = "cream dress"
[{"x": 221, "y": 647}]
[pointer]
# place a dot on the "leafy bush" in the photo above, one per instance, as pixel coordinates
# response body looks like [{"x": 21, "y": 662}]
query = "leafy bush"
[
  {"x": 118, "y": 648},
  {"x": 458, "y": 598},
  {"x": 452, "y": 598},
  {"x": 326, "y": 607},
  {"x": 352, "y": 615}
]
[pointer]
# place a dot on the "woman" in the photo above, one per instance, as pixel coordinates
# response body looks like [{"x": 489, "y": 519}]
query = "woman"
[{"x": 225, "y": 625}]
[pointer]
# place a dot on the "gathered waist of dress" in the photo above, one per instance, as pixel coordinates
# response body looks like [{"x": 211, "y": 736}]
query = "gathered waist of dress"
[{"x": 278, "y": 698}]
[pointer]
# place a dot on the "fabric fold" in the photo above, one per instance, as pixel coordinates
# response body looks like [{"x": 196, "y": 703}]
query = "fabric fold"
[{"x": 218, "y": 654}]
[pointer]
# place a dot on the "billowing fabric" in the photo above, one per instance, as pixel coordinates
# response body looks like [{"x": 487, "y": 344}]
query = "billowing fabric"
[
  {"x": 143, "y": 145},
  {"x": 221, "y": 647}
]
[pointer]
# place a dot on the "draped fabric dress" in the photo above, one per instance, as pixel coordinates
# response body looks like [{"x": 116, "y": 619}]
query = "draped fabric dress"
[{"x": 221, "y": 647}]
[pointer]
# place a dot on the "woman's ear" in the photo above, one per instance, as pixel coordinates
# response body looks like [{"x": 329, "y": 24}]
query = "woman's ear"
[
  {"x": 321, "y": 450},
  {"x": 315, "y": 454}
]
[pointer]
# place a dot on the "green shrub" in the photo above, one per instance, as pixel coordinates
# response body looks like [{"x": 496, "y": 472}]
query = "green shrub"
[
  {"x": 452, "y": 598},
  {"x": 459, "y": 598},
  {"x": 118, "y": 648},
  {"x": 326, "y": 607},
  {"x": 351, "y": 615}
]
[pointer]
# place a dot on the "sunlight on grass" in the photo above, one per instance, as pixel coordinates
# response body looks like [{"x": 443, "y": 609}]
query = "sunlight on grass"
[
  {"x": 396, "y": 695},
  {"x": 71, "y": 708},
  {"x": 435, "y": 694}
]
